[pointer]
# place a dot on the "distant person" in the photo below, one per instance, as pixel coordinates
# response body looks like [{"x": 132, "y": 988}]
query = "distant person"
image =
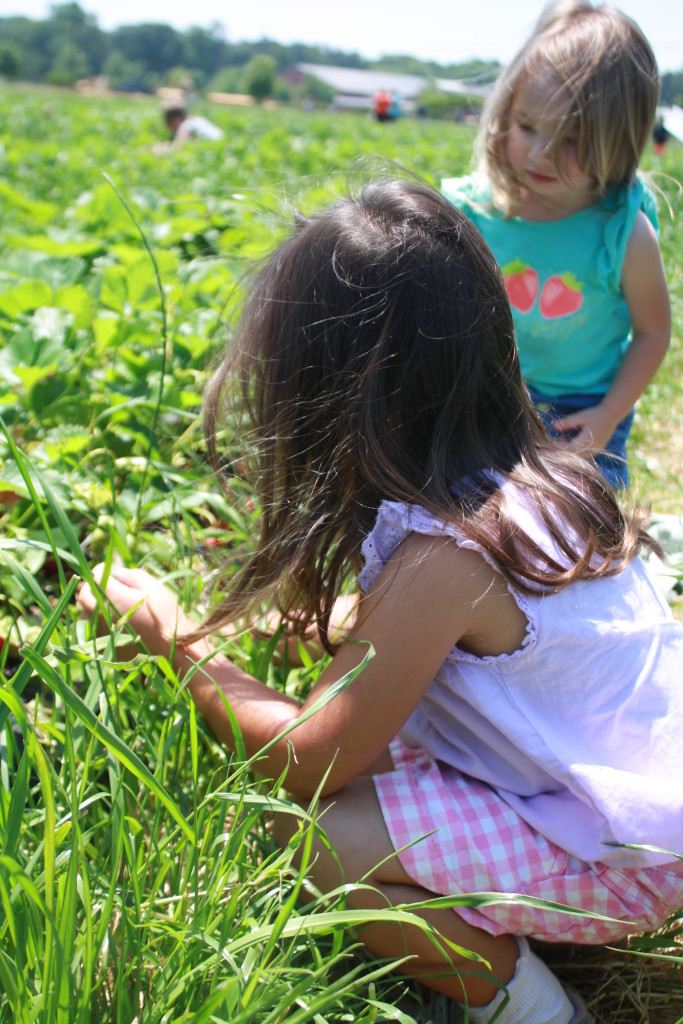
[
  {"x": 395, "y": 108},
  {"x": 183, "y": 127},
  {"x": 382, "y": 102},
  {"x": 571, "y": 224},
  {"x": 659, "y": 136}
]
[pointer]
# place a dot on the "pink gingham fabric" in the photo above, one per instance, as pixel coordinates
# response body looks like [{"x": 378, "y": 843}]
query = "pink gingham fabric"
[{"x": 466, "y": 839}]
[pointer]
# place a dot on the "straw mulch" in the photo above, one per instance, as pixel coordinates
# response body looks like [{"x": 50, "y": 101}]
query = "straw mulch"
[
  {"x": 624, "y": 986},
  {"x": 629, "y": 984}
]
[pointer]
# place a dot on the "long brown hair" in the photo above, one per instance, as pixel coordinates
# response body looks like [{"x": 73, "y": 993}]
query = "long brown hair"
[
  {"x": 606, "y": 90},
  {"x": 376, "y": 359}
]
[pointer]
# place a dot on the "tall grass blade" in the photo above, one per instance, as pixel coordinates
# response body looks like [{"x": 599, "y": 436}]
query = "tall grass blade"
[
  {"x": 164, "y": 353},
  {"x": 28, "y": 472},
  {"x": 17, "y": 807},
  {"x": 111, "y": 741},
  {"x": 23, "y": 674}
]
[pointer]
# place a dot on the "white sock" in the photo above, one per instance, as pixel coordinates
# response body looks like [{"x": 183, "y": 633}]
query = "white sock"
[{"x": 536, "y": 996}]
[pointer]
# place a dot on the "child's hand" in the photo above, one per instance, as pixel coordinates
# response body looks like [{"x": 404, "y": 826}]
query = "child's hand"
[
  {"x": 156, "y": 616},
  {"x": 589, "y": 430}
]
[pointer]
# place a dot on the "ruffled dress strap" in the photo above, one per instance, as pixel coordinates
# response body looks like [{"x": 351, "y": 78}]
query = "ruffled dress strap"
[
  {"x": 394, "y": 522},
  {"x": 624, "y": 204}
]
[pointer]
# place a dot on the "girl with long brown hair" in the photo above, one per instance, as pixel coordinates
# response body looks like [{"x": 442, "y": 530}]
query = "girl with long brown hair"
[{"x": 519, "y": 722}]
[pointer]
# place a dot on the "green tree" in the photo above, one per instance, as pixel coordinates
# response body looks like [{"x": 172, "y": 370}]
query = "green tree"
[
  {"x": 72, "y": 31},
  {"x": 313, "y": 88},
  {"x": 205, "y": 49},
  {"x": 402, "y": 64},
  {"x": 226, "y": 80},
  {"x": 259, "y": 77},
  {"x": 123, "y": 73},
  {"x": 11, "y": 59},
  {"x": 69, "y": 65},
  {"x": 158, "y": 47},
  {"x": 447, "y": 106},
  {"x": 32, "y": 39},
  {"x": 672, "y": 88},
  {"x": 283, "y": 90},
  {"x": 481, "y": 72}
]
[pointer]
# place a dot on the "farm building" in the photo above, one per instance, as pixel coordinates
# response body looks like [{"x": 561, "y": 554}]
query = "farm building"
[
  {"x": 672, "y": 119},
  {"x": 355, "y": 88}
]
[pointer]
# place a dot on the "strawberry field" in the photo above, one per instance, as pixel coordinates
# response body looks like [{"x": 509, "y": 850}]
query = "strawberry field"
[{"x": 138, "y": 880}]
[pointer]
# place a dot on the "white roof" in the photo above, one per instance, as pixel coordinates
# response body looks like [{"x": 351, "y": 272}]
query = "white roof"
[
  {"x": 673, "y": 121},
  {"x": 356, "y": 82},
  {"x": 463, "y": 88}
]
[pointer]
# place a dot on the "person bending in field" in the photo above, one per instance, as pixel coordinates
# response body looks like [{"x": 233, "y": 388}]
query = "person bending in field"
[
  {"x": 183, "y": 127},
  {"x": 520, "y": 720}
]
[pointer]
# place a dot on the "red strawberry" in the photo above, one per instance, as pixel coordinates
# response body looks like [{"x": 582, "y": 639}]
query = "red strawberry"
[
  {"x": 521, "y": 282},
  {"x": 561, "y": 296}
]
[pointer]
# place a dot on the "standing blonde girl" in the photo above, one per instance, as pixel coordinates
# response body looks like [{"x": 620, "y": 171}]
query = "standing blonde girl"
[
  {"x": 521, "y": 718},
  {"x": 572, "y": 226}
]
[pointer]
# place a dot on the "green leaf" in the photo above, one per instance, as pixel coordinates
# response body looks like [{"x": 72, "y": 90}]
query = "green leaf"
[
  {"x": 26, "y": 575},
  {"x": 26, "y": 297},
  {"x": 52, "y": 324},
  {"x": 17, "y": 805},
  {"x": 32, "y": 375},
  {"x": 40, "y": 212},
  {"x": 57, "y": 271}
]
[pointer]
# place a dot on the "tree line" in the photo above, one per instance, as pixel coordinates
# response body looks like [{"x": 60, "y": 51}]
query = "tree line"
[{"x": 69, "y": 45}]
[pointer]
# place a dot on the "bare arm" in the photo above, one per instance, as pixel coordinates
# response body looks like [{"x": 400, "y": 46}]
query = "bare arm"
[
  {"x": 647, "y": 298},
  {"x": 419, "y": 609}
]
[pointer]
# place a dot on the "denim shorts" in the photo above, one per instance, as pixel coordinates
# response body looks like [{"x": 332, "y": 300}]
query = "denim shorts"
[{"x": 611, "y": 461}]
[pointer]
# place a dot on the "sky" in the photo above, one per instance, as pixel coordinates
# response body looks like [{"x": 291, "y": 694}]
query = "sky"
[{"x": 448, "y": 31}]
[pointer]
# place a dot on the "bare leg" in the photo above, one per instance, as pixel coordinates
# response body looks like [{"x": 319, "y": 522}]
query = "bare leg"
[{"x": 354, "y": 825}]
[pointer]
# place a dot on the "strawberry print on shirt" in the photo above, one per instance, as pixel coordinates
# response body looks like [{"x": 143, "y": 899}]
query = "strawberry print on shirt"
[
  {"x": 560, "y": 295},
  {"x": 521, "y": 282}
]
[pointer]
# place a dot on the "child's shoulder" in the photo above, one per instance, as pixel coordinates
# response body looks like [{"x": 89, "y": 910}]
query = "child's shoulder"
[
  {"x": 623, "y": 207},
  {"x": 470, "y": 192},
  {"x": 625, "y": 202},
  {"x": 396, "y": 522}
]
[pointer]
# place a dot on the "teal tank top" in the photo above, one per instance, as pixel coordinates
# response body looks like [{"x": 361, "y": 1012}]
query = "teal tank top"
[{"x": 563, "y": 279}]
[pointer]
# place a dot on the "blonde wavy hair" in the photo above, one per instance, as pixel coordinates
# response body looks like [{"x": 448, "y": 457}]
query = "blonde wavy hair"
[{"x": 607, "y": 87}]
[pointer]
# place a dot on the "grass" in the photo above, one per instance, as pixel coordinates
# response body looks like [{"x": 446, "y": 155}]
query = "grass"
[
  {"x": 656, "y": 442},
  {"x": 138, "y": 879}
]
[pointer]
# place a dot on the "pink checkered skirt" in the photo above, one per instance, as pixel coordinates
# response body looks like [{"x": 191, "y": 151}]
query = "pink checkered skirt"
[{"x": 457, "y": 836}]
